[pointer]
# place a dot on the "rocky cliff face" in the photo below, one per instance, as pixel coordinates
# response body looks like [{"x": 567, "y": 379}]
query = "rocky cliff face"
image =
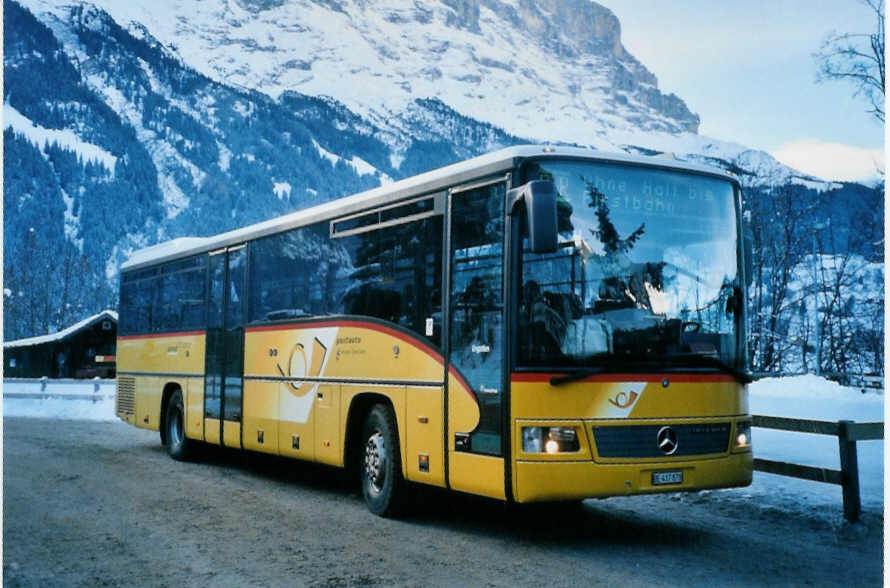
[
  {"x": 552, "y": 70},
  {"x": 575, "y": 30}
]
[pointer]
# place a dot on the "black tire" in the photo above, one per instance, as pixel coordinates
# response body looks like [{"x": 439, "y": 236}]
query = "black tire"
[
  {"x": 179, "y": 446},
  {"x": 380, "y": 463}
]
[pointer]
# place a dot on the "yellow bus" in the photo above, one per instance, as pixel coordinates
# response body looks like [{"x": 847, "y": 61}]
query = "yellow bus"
[{"x": 536, "y": 324}]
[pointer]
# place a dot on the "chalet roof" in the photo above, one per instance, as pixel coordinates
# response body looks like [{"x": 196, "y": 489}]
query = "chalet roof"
[{"x": 67, "y": 332}]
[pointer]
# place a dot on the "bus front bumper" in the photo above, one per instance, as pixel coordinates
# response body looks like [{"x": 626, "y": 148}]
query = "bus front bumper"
[{"x": 574, "y": 480}]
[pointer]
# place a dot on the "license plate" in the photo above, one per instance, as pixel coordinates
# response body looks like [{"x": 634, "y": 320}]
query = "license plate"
[{"x": 662, "y": 478}]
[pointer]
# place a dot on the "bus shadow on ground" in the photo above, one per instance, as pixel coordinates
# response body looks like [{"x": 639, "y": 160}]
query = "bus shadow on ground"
[
  {"x": 282, "y": 470},
  {"x": 583, "y": 523}
]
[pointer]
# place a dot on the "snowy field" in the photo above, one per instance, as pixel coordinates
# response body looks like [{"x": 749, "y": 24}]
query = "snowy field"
[
  {"x": 812, "y": 397},
  {"x": 806, "y": 397}
]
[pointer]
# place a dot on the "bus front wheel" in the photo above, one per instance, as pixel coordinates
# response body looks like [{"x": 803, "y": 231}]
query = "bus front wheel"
[
  {"x": 381, "y": 464},
  {"x": 178, "y": 445}
]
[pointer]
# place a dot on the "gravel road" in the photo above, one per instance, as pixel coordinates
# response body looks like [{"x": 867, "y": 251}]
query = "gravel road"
[{"x": 97, "y": 504}]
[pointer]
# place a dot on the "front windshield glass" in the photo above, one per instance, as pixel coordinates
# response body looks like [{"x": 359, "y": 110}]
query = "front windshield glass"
[{"x": 646, "y": 271}]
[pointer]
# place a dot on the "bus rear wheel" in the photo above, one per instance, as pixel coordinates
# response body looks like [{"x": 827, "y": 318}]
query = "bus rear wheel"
[
  {"x": 178, "y": 445},
  {"x": 381, "y": 464}
]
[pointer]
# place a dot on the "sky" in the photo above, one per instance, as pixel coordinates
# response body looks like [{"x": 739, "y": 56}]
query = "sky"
[{"x": 747, "y": 69}]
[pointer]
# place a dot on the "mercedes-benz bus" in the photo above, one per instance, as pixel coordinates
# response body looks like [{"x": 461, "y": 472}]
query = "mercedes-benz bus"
[{"x": 535, "y": 324}]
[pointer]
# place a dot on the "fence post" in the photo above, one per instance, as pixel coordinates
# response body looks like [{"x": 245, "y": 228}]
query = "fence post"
[{"x": 849, "y": 471}]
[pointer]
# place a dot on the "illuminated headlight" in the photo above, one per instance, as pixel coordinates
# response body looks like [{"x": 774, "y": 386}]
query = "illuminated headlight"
[
  {"x": 742, "y": 435},
  {"x": 549, "y": 439}
]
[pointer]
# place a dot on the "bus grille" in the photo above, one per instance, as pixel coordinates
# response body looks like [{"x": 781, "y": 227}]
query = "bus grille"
[
  {"x": 126, "y": 395},
  {"x": 642, "y": 440}
]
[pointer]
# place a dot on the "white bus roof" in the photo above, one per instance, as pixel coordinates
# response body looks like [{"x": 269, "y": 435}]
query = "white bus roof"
[{"x": 431, "y": 181}]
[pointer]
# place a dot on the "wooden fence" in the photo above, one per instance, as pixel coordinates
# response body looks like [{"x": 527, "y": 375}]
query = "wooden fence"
[{"x": 847, "y": 433}]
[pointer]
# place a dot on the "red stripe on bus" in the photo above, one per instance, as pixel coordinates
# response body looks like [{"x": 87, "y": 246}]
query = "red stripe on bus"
[
  {"x": 159, "y": 335},
  {"x": 672, "y": 377}
]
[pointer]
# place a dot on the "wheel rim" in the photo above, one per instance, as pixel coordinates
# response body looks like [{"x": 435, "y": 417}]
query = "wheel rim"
[
  {"x": 176, "y": 426},
  {"x": 375, "y": 462}
]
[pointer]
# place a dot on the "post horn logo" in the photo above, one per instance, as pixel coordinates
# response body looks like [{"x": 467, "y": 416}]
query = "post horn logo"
[
  {"x": 298, "y": 367},
  {"x": 624, "y": 400}
]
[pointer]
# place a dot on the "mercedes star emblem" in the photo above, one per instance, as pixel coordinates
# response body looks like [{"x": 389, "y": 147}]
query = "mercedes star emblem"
[{"x": 667, "y": 440}]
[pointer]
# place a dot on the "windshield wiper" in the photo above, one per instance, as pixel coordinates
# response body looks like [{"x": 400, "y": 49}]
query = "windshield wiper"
[
  {"x": 575, "y": 376},
  {"x": 598, "y": 365},
  {"x": 688, "y": 360},
  {"x": 698, "y": 360}
]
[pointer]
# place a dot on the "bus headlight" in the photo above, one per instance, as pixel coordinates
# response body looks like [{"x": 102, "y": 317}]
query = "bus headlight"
[
  {"x": 549, "y": 439},
  {"x": 742, "y": 435}
]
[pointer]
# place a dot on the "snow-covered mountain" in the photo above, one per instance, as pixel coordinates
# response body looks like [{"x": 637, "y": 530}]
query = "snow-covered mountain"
[
  {"x": 113, "y": 143},
  {"x": 547, "y": 69},
  {"x": 544, "y": 70}
]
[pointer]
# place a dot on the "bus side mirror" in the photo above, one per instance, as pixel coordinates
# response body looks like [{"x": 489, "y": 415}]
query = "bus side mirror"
[{"x": 539, "y": 198}]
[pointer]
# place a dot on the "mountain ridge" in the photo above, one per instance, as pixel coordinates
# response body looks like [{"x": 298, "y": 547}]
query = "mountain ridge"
[{"x": 456, "y": 50}]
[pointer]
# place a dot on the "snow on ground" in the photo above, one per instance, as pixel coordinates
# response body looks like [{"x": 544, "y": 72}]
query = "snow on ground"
[
  {"x": 54, "y": 401},
  {"x": 807, "y": 397},
  {"x": 812, "y": 397}
]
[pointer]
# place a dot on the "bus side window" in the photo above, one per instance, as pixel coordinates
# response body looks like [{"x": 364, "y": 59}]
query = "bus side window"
[
  {"x": 294, "y": 275},
  {"x": 395, "y": 274}
]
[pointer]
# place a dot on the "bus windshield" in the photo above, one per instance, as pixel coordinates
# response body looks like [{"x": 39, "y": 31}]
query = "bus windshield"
[{"x": 645, "y": 275}]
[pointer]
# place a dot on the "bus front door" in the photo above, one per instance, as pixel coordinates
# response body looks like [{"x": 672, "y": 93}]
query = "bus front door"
[
  {"x": 476, "y": 340},
  {"x": 225, "y": 347}
]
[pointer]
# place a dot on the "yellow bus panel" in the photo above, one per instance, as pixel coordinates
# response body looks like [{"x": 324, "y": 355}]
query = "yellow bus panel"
[
  {"x": 296, "y": 428},
  {"x": 232, "y": 434},
  {"x": 211, "y": 431},
  {"x": 627, "y": 396},
  {"x": 328, "y": 431},
  {"x": 424, "y": 432},
  {"x": 331, "y": 355},
  {"x": 174, "y": 353},
  {"x": 148, "y": 401},
  {"x": 260, "y": 417},
  {"x": 194, "y": 408},
  {"x": 477, "y": 474}
]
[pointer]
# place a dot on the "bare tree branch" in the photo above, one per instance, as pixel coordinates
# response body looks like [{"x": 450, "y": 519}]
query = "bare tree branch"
[{"x": 857, "y": 58}]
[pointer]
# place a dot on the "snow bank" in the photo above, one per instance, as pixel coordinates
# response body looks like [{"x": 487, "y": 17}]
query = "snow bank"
[{"x": 91, "y": 400}]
